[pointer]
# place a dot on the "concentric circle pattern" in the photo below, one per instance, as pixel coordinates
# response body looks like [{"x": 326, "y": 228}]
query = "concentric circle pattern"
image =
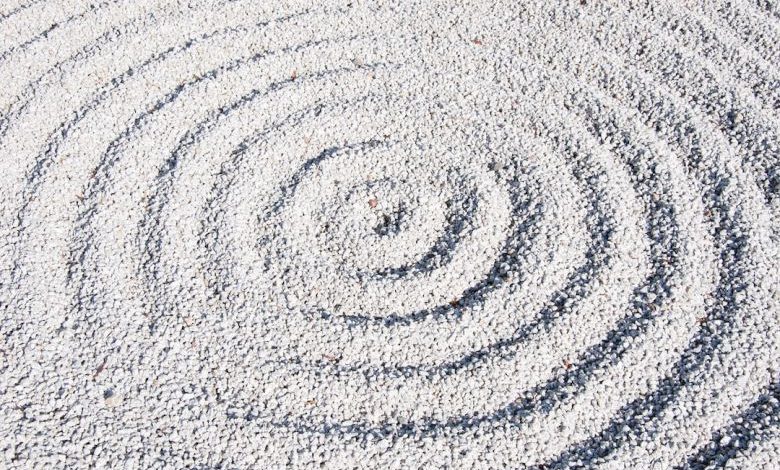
[{"x": 368, "y": 234}]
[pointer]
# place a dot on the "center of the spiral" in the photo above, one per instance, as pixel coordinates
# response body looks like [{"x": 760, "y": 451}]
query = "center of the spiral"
[
  {"x": 390, "y": 224},
  {"x": 371, "y": 232},
  {"x": 379, "y": 223}
]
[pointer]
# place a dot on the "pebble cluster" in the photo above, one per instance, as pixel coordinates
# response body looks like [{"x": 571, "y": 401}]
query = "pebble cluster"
[{"x": 389, "y": 234}]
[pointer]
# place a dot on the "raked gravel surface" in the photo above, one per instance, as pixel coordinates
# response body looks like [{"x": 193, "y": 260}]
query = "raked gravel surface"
[{"x": 389, "y": 234}]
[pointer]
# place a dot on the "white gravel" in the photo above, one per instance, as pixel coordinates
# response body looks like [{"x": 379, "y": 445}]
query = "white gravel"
[{"x": 374, "y": 234}]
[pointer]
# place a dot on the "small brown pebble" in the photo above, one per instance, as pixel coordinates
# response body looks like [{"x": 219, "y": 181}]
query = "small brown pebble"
[
  {"x": 477, "y": 41},
  {"x": 372, "y": 202},
  {"x": 100, "y": 368},
  {"x": 566, "y": 364},
  {"x": 454, "y": 303},
  {"x": 330, "y": 357},
  {"x": 311, "y": 402},
  {"x": 294, "y": 75},
  {"x": 701, "y": 320}
]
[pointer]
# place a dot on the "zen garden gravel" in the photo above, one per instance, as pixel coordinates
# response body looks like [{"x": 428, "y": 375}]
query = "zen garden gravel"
[{"x": 389, "y": 234}]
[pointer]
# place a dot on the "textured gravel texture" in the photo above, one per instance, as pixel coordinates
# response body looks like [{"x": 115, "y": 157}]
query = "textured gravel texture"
[{"x": 367, "y": 234}]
